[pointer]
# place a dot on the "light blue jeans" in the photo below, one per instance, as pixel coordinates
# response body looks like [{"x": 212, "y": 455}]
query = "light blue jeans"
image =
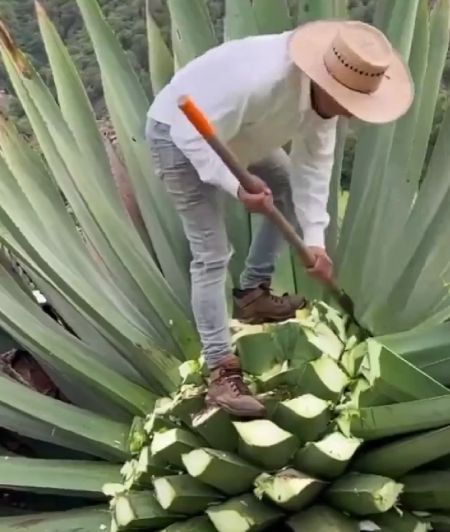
[{"x": 200, "y": 207}]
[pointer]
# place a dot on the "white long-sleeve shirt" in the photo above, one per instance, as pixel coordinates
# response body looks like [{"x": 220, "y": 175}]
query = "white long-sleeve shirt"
[{"x": 258, "y": 100}]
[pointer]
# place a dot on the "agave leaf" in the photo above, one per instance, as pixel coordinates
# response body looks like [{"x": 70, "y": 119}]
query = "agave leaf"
[
  {"x": 401, "y": 456},
  {"x": 43, "y": 98},
  {"x": 136, "y": 353},
  {"x": 96, "y": 518},
  {"x": 396, "y": 189},
  {"x": 71, "y": 478},
  {"x": 426, "y": 348},
  {"x": 383, "y": 13},
  {"x": 59, "y": 169},
  {"x": 42, "y": 418},
  {"x": 404, "y": 18},
  {"x": 416, "y": 287},
  {"x": 419, "y": 256},
  {"x": 238, "y": 223},
  {"x": 380, "y": 422},
  {"x": 68, "y": 355},
  {"x": 437, "y": 52},
  {"x": 64, "y": 352},
  {"x": 41, "y": 95},
  {"x": 427, "y": 272},
  {"x": 75, "y": 107},
  {"x": 88, "y": 333},
  {"x": 34, "y": 182},
  {"x": 283, "y": 279},
  {"x": 272, "y": 17},
  {"x": 332, "y": 233},
  {"x": 147, "y": 191},
  {"x": 239, "y": 21},
  {"x": 160, "y": 57},
  {"x": 79, "y": 116},
  {"x": 124, "y": 186},
  {"x": 192, "y": 29},
  {"x": 321, "y": 9},
  {"x": 369, "y": 173},
  {"x": 128, "y": 107},
  {"x": 372, "y": 149},
  {"x": 432, "y": 300}
]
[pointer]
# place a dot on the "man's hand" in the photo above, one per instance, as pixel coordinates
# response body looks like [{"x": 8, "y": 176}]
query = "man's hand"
[
  {"x": 323, "y": 265},
  {"x": 260, "y": 199}
]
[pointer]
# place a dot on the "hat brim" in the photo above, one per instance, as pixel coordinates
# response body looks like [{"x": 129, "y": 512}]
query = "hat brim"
[{"x": 389, "y": 102}]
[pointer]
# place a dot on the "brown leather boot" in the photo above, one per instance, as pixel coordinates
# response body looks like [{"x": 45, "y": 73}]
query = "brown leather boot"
[
  {"x": 228, "y": 390},
  {"x": 259, "y": 305}
]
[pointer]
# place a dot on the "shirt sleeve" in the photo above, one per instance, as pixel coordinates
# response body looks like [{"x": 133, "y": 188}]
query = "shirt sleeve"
[
  {"x": 312, "y": 155},
  {"x": 225, "y": 117}
]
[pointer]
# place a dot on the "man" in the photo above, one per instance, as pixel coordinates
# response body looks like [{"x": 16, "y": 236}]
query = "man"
[{"x": 261, "y": 93}]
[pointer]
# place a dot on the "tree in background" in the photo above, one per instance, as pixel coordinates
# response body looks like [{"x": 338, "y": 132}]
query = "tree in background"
[{"x": 128, "y": 21}]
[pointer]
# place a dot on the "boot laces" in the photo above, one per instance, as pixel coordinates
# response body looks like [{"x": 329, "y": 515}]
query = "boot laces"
[
  {"x": 234, "y": 379},
  {"x": 276, "y": 299}
]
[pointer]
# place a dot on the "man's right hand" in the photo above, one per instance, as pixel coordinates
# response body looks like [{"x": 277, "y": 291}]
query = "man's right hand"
[{"x": 260, "y": 200}]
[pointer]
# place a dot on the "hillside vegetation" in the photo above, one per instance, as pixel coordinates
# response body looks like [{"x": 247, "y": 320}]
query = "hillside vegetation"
[{"x": 128, "y": 21}]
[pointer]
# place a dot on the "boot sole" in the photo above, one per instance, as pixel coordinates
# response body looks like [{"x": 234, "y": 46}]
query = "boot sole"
[
  {"x": 259, "y": 320},
  {"x": 237, "y": 413}
]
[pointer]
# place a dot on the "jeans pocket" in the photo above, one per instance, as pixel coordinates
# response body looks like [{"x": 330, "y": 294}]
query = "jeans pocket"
[
  {"x": 158, "y": 137},
  {"x": 168, "y": 159},
  {"x": 157, "y": 163}
]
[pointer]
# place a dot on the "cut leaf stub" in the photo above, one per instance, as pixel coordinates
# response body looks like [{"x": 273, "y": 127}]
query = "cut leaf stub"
[
  {"x": 324, "y": 378},
  {"x": 215, "y": 426},
  {"x": 298, "y": 469},
  {"x": 196, "y": 524},
  {"x": 327, "y": 458},
  {"x": 265, "y": 443},
  {"x": 306, "y": 417},
  {"x": 168, "y": 447},
  {"x": 140, "y": 510},
  {"x": 183, "y": 494},
  {"x": 224, "y": 471},
  {"x": 289, "y": 489},
  {"x": 243, "y": 514},
  {"x": 362, "y": 495},
  {"x": 322, "y": 518}
]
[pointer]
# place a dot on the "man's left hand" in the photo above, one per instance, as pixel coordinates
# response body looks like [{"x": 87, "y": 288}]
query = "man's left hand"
[{"x": 323, "y": 265}]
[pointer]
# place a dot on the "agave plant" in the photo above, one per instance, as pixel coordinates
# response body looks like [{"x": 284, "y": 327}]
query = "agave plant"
[
  {"x": 307, "y": 466},
  {"x": 137, "y": 432}
]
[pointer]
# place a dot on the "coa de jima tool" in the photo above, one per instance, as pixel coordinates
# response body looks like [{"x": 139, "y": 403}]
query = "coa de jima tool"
[{"x": 202, "y": 124}]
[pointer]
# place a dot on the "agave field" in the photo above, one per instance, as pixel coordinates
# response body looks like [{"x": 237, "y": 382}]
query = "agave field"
[{"x": 357, "y": 434}]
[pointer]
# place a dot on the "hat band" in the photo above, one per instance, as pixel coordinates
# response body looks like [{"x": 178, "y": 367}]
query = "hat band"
[{"x": 352, "y": 77}]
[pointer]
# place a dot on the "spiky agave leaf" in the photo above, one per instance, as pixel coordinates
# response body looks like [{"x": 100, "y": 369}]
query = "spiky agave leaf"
[
  {"x": 123, "y": 294},
  {"x": 96, "y": 518}
]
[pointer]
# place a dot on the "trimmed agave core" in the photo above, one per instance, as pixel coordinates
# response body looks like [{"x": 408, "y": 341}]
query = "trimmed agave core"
[{"x": 198, "y": 469}]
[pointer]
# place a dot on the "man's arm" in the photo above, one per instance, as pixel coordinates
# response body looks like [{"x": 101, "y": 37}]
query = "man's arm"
[
  {"x": 208, "y": 164},
  {"x": 312, "y": 157}
]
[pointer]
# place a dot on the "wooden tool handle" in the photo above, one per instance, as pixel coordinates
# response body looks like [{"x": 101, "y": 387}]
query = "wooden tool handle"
[
  {"x": 200, "y": 121},
  {"x": 196, "y": 116},
  {"x": 202, "y": 124}
]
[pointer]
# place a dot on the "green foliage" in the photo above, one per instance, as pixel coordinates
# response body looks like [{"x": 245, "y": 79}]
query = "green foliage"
[
  {"x": 122, "y": 285},
  {"x": 128, "y": 21},
  {"x": 126, "y": 18}
]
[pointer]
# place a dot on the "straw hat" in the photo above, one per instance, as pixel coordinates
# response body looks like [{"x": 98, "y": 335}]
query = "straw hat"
[{"x": 357, "y": 66}]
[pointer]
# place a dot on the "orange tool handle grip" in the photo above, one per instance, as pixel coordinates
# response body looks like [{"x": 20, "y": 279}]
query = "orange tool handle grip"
[{"x": 197, "y": 117}]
